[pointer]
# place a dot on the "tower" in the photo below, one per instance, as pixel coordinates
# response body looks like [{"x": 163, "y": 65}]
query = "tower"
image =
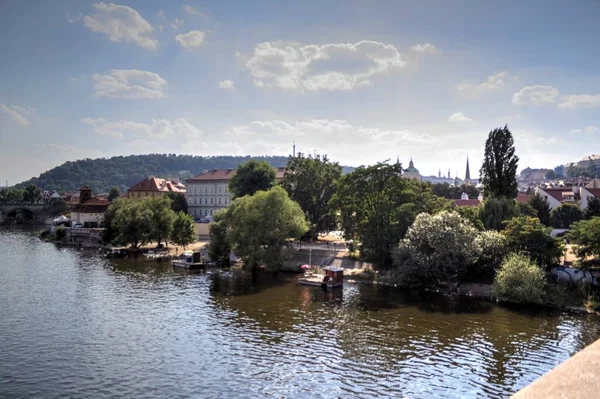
[
  {"x": 449, "y": 174},
  {"x": 294, "y": 149},
  {"x": 467, "y": 173},
  {"x": 439, "y": 173}
]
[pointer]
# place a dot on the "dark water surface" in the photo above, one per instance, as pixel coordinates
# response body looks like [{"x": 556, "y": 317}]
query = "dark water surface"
[{"x": 74, "y": 324}]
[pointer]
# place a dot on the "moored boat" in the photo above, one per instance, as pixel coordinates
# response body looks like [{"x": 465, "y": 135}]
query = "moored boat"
[
  {"x": 333, "y": 278},
  {"x": 189, "y": 260}
]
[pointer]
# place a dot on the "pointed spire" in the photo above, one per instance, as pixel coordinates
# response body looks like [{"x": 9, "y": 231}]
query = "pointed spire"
[
  {"x": 411, "y": 164},
  {"x": 294, "y": 149},
  {"x": 397, "y": 159},
  {"x": 467, "y": 172}
]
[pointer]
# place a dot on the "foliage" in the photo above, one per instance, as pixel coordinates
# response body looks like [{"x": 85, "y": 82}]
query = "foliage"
[
  {"x": 585, "y": 234},
  {"x": 113, "y": 193},
  {"x": 470, "y": 213},
  {"x": 184, "y": 230},
  {"x": 525, "y": 209},
  {"x": 60, "y": 233},
  {"x": 133, "y": 222},
  {"x": 551, "y": 175},
  {"x": 110, "y": 234},
  {"x": 162, "y": 218},
  {"x": 540, "y": 204},
  {"x": 562, "y": 216},
  {"x": 377, "y": 206},
  {"x": 495, "y": 211},
  {"x": 179, "y": 203},
  {"x": 519, "y": 280},
  {"x": 576, "y": 171},
  {"x": 436, "y": 248},
  {"x": 492, "y": 248},
  {"x": 454, "y": 192},
  {"x": 593, "y": 207},
  {"x": 11, "y": 196},
  {"x": 58, "y": 206},
  {"x": 311, "y": 183},
  {"x": 251, "y": 177},
  {"x": 528, "y": 236},
  {"x": 499, "y": 169},
  {"x": 219, "y": 247},
  {"x": 259, "y": 227},
  {"x": 32, "y": 194}
]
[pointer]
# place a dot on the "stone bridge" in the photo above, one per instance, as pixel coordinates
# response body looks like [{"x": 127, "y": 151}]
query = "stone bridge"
[{"x": 38, "y": 213}]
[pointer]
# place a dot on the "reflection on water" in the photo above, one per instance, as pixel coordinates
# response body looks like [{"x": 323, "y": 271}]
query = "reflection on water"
[{"x": 73, "y": 324}]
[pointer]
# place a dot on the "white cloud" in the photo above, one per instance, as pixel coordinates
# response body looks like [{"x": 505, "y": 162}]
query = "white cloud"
[
  {"x": 129, "y": 84},
  {"x": 583, "y": 100},
  {"x": 14, "y": 113},
  {"x": 56, "y": 147},
  {"x": 74, "y": 19},
  {"x": 190, "y": 10},
  {"x": 587, "y": 129},
  {"x": 120, "y": 24},
  {"x": 177, "y": 24},
  {"x": 337, "y": 66},
  {"x": 493, "y": 82},
  {"x": 158, "y": 129},
  {"x": 161, "y": 14},
  {"x": 459, "y": 117},
  {"x": 226, "y": 84},
  {"x": 535, "y": 95},
  {"x": 425, "y": 48},
  {"x": 193, "y": 38}
]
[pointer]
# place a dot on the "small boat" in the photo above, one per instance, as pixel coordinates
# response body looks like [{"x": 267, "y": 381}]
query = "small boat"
[
  {"x": 189, "y": 260},
  {"x": 333, "y": 278}
]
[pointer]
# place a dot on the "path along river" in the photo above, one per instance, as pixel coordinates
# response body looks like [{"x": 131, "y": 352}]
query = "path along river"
[{"x": 75, "y": 324}]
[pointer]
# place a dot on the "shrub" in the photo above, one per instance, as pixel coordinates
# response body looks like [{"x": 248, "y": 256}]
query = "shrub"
[
  {"x": 566, "y": 214},
  {"x": 519, "y": 280},
  {"x": 585, "y": 234},
  {"x": 495, "y": 211},
  {"x": 492, "y": 248},
  {"x": 528, "y": 235},
  {"x": 60, "y": 233}
]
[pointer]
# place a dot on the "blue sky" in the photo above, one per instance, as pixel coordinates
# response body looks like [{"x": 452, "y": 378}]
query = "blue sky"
[{"x": 362, "y": 81}]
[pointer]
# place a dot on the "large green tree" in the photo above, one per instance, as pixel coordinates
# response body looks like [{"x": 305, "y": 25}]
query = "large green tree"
[
  {"x": 11, "y": 196},
  {"x": 251, "y": 177},
  {"x": 526, "y": 234},
  {"x": 184, "y": 230},
  {"x": 162, "y": 218},
  {"x": 454, "y": 192},
  {"x": 563, "y": 216},
  {"x": 133, "y": 222},
  {"x": 499, "y": 169},
  {"x": 219, "y": 248},
  {"x": 540, "y": 204},
  {"x": 310, "y": 181},
  {"x": 114, "y": 193},
  {"x": 179, "y": 203},
  {"x": 495, "y": 211},
  {"x": 260, "y": 226},
  {"x": 377, "y": 206},
  {"x": 585, "y": 234},
  {"x": 593, "y": 207},
  {"x": 110, "y": 234},
  {"x": 32, "y": 194}
]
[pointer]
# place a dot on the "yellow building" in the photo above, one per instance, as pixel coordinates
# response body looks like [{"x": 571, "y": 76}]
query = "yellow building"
[{"x": 154, "y": 187}]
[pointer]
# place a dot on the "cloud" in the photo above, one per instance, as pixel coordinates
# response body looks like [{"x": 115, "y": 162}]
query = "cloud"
[
  {"x": 75, "y": 19},
  {"x": 535, "y": 95},
  {"x": 587, "y": 129},
  {"x": 56, "y": 147},
  {"x": 337, "y": 66},
  {"x": 161, "y": 14},
  {"x": 459, "y": 117},
  {"x": 583, "y": 100},
  {"x": 14, "y": 113},
  {"x": 193, "y": 38},
  {"x": 129, "y": 84},
  {"x": 120, "y": 24},
  {"x": 177, "y": 24},
  {"x": 493, "y": 82},
  {"x": 158, "y": 129},
  {"x": 190, "y": 10},
  {"x": 226, "y": 84},
  {"x": 425, "y": 48}
]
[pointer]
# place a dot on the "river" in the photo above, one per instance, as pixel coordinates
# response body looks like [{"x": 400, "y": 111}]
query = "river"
[{"x": 75, "y": 324}]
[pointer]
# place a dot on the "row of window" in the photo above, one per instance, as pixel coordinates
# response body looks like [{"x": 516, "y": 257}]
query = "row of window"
[
  {"x": 198, "y": 212},
  {"x": 208, "y": 189},
  {"x": 221, "y": 201}
]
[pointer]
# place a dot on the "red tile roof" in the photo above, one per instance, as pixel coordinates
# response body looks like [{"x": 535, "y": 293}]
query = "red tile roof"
[
  {"x": 467, "y": 202},
  {"x": 226, "y": 174},
  {"x": 524, "y": 198},
  {"x": 93, "y": 205},
  {"x": 557, "y": 192},
  {"x": 157, "y": 184},
  {"x": 594, "y": 191}
]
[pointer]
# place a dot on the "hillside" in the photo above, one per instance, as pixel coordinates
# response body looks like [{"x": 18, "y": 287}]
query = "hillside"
[{"x": 124, "y": 171}]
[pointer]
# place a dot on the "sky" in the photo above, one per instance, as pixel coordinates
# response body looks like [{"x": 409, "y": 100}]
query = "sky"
[{"x": 360, "y": 81}]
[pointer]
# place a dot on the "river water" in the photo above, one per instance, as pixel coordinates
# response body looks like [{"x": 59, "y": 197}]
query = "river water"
[{"x": 75, "y": 324}]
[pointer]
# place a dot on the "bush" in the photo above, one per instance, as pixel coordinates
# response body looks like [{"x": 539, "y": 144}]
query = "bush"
[
  {"x": 526, "y": 234},
  {"x": 585, "y": 234},
  {"x": 519, "y": 280},
  {"x": 566, "y": 214},
  {"x": 60, "y": 233},
  {"x": 495, "y": 211},
  {"x": 492, "y": 247}
]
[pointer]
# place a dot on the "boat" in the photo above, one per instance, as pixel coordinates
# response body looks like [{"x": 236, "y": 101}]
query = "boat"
[
  {"x": 189, "y": 260},
  {"x": 333, "y": 278}
]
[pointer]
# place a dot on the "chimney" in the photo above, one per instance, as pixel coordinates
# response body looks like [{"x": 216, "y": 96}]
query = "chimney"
[
  {"x": 480, "y": 197},
  {"x": 464, "y": 196}
]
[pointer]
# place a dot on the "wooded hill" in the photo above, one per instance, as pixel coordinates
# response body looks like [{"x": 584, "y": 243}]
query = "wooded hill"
[{"x": 124, "y": 171}]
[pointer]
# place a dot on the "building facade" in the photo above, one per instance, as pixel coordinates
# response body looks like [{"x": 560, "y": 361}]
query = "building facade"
[
  {"x": 411, "y": 172},
  {"x": 89, "y": 211},
  {"x": 154, "y": 187},
  {"x": 209, "y": 191}
]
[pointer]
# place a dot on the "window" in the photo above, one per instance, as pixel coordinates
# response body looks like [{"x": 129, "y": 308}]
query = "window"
[
  {"x": 194, "y": 201},
  {"x": 205, "y": 212},
  {"x": 211, "y": 201},
  {"x": 220, "y": 189},
  {"x": 219, "y": 200},
  {"x": 225, "y": 200},
  {"x": 211, "y": 212},
  {"x": 205, "y": 201}
]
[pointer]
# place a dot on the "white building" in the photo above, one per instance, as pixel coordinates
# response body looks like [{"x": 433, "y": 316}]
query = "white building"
[{"x": 209, "y": 191}]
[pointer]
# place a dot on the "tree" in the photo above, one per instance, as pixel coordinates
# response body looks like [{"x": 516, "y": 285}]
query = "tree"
[
  {"x": 470, "y": 213},
  {"x": 593, "y": 207},
  {"x": 525, "y": 209},
  {"x": 519, "y": 280},
  {"x": 585, "y": 234},
  {"x": 179, "y": 203},
  {"x": 454, "y": 192},
  {"x": 376, "y": 206},
  {"x": 110, "y": 234},
  {"x": 184, "y": 230},
  {"x": 495, "y": 211},
  {"x": 11, "y": 196},
  {"x": 260, "y": 226},
  {"x": 551, "y": 175},
  {"x": 564, "y": 215},
  {"x": 540, "y": 204},
  {"x": 311, "y": 183},
  {"x": 219, "y": 247},
  {"x": 499, "y": 169},
  {"x": 251, "y": 177},
  {"x": 437, "y": 248},
  {"x": 32, "y": 194},
  {"x": 114, "y": 193},
  {"x": 527, "y": 235},
  {"x": 493, "y": 248},
  {"x": 133, "y": 222},
  {"x": 162, "y": 218}
]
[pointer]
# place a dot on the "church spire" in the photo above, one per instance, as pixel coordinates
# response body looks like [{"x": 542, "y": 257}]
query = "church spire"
[
  {"x": 411, "y": 164},
  {"x": 294, "y": 149},
  {"x": 467, "y": 172}
]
